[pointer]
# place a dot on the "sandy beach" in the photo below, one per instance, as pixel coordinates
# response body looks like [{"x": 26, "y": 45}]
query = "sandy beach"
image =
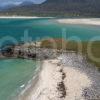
[
  {"x": 62, "y": 79},
  {"x": 87, "y": 21},
  {"x": 22, "y": 17}
]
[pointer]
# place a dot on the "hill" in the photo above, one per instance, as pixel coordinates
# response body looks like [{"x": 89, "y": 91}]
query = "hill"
[{"x": 61, "y": 8}]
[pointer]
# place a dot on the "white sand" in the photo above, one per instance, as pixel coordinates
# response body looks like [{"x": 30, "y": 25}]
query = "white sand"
[
  {"x": 81, "y": 81},
  {"x": 49, "y": 78},
  {"x": 22, "y": 17},
  {"x": 75, "y": 81},
  {"x": 88, "y": 21}
]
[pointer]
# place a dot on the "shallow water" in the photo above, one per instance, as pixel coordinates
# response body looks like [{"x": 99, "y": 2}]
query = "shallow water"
[{"x": 14, "y": 74}]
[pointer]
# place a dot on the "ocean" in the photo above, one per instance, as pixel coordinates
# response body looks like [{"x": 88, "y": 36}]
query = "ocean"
[
  {"x": 16, "y": 73},
  {"x": 14, "y": 76},
  {"x": 27, "y": 30}
]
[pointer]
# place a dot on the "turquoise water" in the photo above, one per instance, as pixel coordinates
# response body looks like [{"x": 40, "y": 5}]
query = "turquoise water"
[
  {"x": 13, "y": 74},
  {"x": 16, "y": 72},
  {"x": 14, "y": 29}
]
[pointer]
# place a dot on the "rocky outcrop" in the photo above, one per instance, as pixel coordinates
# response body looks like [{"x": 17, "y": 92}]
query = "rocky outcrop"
[{"x": 21, "y": 51}]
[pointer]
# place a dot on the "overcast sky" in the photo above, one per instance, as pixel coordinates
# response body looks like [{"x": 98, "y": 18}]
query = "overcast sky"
[{"x": 4, "y": 2}]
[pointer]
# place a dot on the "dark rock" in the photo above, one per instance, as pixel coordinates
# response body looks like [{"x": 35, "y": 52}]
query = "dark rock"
[
  {"x": 62, "y": 89},
  {"x": 8, "y": 51},
  {"x": 63, "y": 76}
]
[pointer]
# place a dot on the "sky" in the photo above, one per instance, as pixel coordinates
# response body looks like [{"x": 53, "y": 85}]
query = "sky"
[{"x": 5, "y": 2}]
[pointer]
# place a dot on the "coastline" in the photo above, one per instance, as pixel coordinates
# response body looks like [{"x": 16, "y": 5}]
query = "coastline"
[
  {"x": 62, "y": 79},
  {"x": 55, "y": 79},
  {"x": 22, "y": 17},
  {"x": 32, "y": 85},
  {"x": 84, "y": 21},
  {"x": 44, "y": 83}
]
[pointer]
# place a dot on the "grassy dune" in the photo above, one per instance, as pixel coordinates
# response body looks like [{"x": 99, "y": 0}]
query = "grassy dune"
[{"x": 76, "y": 46}]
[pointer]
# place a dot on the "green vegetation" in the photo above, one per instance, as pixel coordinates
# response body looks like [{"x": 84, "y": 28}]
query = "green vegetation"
[{"x": 78, "y": 47}]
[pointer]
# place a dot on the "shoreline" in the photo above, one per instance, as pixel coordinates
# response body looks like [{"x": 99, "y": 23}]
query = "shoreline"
[
  {"x": 55, "y": 81},
  {"x": 83, "y": 21},
  {"x": 32, "y": 85},
  {"x": 35, "y": 91},
  {"x": 22, "y": 17},
  {"x": 60, "y": 72}
]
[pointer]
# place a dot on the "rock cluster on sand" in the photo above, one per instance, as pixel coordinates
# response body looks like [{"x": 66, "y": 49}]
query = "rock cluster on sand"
[{"x": 27, "y": 51}]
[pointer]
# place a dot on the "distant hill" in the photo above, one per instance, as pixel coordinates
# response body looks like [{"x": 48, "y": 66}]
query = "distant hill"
[
  {"x": 60, "y": 8},
  {"x": 6, "y": 7},
  {"x": 27, "y": 3}
]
